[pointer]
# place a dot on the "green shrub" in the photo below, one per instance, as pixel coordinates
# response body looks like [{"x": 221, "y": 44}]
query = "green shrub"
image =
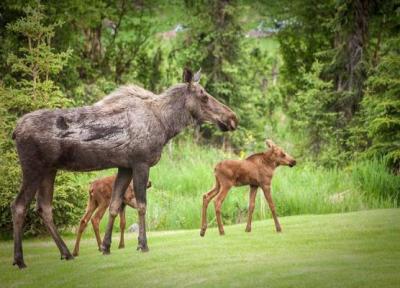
[{"x": 69, "y": 202}]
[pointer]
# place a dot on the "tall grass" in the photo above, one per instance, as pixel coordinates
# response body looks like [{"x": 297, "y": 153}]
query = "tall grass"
[
  {"x": 372, "y": 178},
  {"x": 185, "y": 173}
]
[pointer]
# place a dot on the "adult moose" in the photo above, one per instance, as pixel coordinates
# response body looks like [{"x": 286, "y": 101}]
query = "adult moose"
[{"x": 127, "y": 129}]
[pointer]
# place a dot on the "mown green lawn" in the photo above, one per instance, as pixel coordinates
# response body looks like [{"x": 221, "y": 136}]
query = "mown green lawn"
[{"x": 359, "y": 249}]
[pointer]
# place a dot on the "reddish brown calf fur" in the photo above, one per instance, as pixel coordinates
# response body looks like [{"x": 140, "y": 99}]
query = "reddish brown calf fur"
[
  {"x": 256, "y": 171},
  {"x": 99, "y": 199}
]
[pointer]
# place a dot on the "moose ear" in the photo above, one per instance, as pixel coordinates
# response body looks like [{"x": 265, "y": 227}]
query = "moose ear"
[
  {"x": 270, "y": 143},
  {"x": 197, "y": 76},
  {"x": 187, "y": 75}
]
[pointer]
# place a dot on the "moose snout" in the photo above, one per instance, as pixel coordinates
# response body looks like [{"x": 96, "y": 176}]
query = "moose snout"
[
  {"x": 292, "y": 163},
  {"x": 228, "y": 124},
  {"x": 231, "y": 121}
]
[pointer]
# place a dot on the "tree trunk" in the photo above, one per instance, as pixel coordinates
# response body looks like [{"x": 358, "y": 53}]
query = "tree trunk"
[{"x": 354, "y": 49}]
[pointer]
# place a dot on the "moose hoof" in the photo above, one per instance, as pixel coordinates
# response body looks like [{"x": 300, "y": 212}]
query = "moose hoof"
[
  {"x": 105, "y": 250},
  {"x": 67, "y": 256},
  {"x": 121, "y": 246},
  {"x": 221, "y": 233},
  {"x": 202, "y": 232},
  {"x": 279, "y": 229},
  {"x": 20, "y": 263},
  {"x": 248, "y": 229},
  {"x": 75, "y": 254},
  {"x": 142, "y": 248}
]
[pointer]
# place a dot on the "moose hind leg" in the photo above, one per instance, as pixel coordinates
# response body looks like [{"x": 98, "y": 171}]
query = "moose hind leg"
[
  {"x": 30, "y": 184},
  {"x": 45, "y": 210},
  {"x": 122, "y": 224},
  {"x": 121, "y": 183},
  {"x": 140, "y": 180}
]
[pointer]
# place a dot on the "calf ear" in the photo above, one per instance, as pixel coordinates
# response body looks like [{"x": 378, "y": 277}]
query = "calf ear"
[
  {"x": 187, "y": 75},
  {"x": 197, "y": 76},
  {"x": 270, "y": 143}
]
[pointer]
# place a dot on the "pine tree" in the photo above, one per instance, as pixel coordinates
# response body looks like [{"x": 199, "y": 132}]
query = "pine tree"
[
  {"x": 36, "y": 62},
  {"x": 381, "y": 106}
]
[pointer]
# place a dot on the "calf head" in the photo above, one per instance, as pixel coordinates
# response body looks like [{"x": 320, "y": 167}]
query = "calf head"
[
  {"x": 204, "y": 107},
  {"x": 279, "y": 156}
]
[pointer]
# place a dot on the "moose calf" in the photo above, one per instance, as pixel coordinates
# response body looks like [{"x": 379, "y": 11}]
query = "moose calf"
[
  {"x": 99, "y": 199},
  {"x": 256, "y": 171}
]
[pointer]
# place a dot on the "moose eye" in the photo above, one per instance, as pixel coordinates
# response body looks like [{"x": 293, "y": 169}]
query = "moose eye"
[{"x": 204, "y": 98}]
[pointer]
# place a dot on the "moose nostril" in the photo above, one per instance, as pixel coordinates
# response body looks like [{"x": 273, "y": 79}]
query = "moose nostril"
[
  {"x": 233, "y": 124},
  {"x": 234, "y": 121}
]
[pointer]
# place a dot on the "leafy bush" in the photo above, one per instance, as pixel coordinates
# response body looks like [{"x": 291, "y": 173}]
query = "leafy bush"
[{"x": 68, "y": 203}]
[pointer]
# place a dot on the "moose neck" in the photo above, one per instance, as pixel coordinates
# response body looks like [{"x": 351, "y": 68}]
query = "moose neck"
[
  {"x": 268, "y": 160},
  {"x": 174, "y": 115}
]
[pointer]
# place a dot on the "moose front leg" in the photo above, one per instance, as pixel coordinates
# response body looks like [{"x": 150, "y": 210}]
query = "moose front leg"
[
  {"x": 268, "y": 197},
  {"x": 122, "y": 224},
  {"x": 121, "y": 183},
  {"x": 140, "y": 179}
]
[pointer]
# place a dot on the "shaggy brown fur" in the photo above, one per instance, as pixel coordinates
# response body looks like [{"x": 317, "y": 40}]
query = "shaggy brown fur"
[
  {"x": 127, "y": 130},
  {"x": 99, "y": 199},
  {"x": 256, "y": 171}
]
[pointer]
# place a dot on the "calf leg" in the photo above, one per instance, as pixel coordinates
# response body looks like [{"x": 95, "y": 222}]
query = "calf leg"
[
  {"x": 122, "y": 223},
  {"x": 44, "y": 200},
  {"x": 267, "y": 194},
  {"x": 121, "y": 183},
  {"x": 218, "y": 203},
  {"x": 252, "y": 200},
  {"x": 96, "y": 219},
  {"x": 206, "y": 200},
  {"x": 91, "y": 207},
  {"x": 30, "y": 183}
]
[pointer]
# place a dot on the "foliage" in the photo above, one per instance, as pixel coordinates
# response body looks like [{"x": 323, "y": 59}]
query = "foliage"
[
  {"x": 316, "y": 116},
  {"x": 381, "y": 107},
  {"x": 325, "y": 87},
  {"x": 35, "y": 64},
  {"x": 329, "y": 51},
  {"x": 215, "y": 43}
]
